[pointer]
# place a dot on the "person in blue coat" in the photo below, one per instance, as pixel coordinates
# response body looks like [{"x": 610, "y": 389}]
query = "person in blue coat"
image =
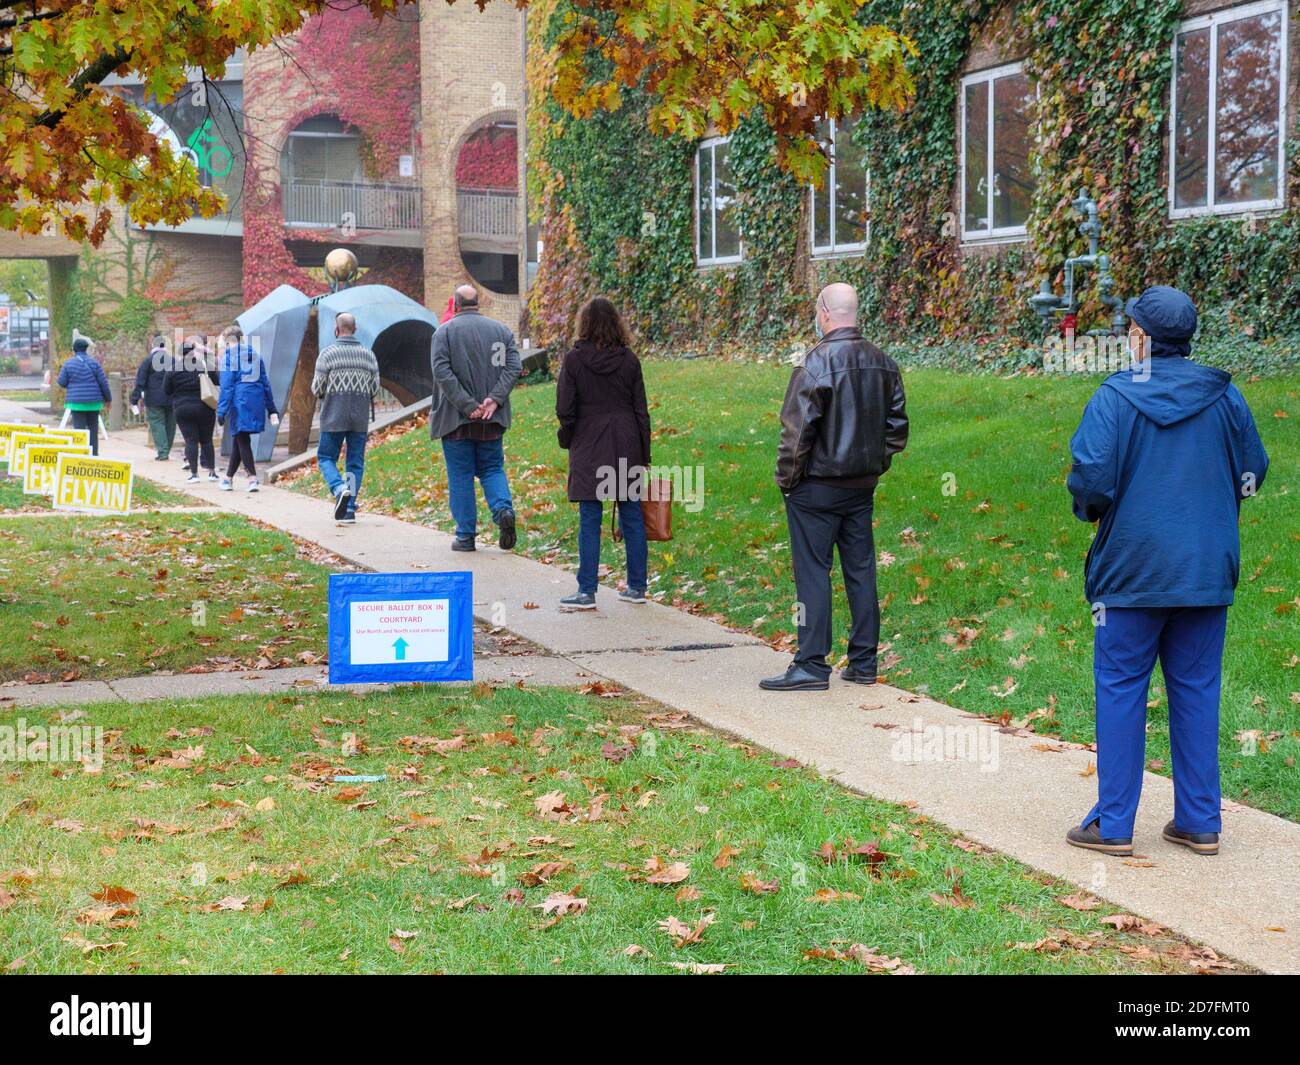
[
  {"x": 245, "y": 404},
  {"x": 88, "y": 391},
  {"x": 1163, "y": 459}
]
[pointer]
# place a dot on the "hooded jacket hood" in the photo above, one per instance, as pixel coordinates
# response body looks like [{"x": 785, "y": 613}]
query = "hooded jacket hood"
[
  {"x": 603, "y": 360},
  {"x": 1175, "y": 390}
]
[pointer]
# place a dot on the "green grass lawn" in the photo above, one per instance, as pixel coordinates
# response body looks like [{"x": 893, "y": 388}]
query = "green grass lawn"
[
  {"x": 145, "y": 495},
  {"x": 517, "y": 831},
  {"x": 24, "y": 395},
  {"x": 98, "y": 597},
  {"x": 982, "y": 588}
]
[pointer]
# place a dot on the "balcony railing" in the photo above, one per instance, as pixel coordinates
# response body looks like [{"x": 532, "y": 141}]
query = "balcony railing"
[
  {"x": 366, "y": 205},
  {"x": 487, "y": 212}
]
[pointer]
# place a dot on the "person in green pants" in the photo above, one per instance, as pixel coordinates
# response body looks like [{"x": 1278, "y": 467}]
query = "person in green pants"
[{"x": 157, "y": 404}]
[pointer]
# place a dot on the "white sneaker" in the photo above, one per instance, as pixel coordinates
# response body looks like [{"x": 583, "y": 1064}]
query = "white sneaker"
[
  {"x": 212, "y": 475},
  {"x": 226, "y": 486},
  {"x": 252, "y": 484},
  {"x": 192, "y": 479}
]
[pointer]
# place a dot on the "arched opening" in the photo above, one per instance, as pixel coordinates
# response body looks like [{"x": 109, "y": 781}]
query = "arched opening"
[
  {"x": 487, "y": 205},
  {"x": 402, "y": 351}
]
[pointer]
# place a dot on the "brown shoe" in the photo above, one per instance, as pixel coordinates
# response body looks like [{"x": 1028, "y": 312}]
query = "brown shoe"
[
  {"x": 1200, "y": 842},
  {"x": 1089, "y": 837}
]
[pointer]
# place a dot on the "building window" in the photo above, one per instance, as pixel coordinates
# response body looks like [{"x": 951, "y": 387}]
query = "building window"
[
  {"x": 1227, "y": 110},
  {"x": 996, "y": 179},
  {"x": 838, "y": 221},
  {"x": 717, "y": 235},
  {"x": 322, "y": 148}
]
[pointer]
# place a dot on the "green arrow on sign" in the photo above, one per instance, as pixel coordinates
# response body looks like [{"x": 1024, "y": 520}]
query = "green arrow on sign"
[{"x": 400, "y": 645}]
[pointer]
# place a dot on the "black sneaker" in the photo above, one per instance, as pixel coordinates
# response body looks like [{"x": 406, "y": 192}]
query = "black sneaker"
[
  {"x": 341, "y": 504},
  {"x": 796, "y": 679},
  {"x": 347, "y": 519},
  {"x": 578, "y": 601},
  {"x": 1200, "y": 842},
  {"x": 505, "y": 518},
  {"x": 857, "y": 676},
  {"x": 627, "y": 595},
  {"x": 1089, "y": 837},
  {"x": 466, "y": 544}
]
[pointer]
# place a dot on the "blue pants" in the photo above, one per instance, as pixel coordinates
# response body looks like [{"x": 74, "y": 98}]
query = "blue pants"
[
  {"x": 591, "y": 514},
  {"x": 1189, "y": 643},
  {"x": 467, "y": 459},
  {"x": 327, "y": 458}
]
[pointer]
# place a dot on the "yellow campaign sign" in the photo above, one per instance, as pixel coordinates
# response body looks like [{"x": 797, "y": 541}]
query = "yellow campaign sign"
[
  {"x": 7, "y": 430},
  {"x": 18, "y": 444},
  {"x": 76, "y": 436},
  {"x": 42, "y": 461},
  {"x": 99, "y": 486}
]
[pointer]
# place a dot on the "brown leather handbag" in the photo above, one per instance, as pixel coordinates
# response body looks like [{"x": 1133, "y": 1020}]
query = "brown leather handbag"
[{"x": 656, "y": 509}]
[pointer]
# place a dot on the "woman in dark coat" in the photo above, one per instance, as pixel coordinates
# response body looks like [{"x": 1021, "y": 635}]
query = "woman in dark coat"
[
  {"x": 605, "y": 426},
  {"x": 195, "y": 419}
]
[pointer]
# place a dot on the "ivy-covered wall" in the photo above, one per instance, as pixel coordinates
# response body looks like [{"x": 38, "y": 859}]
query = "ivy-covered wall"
[
  {"x": 367, "y": 73},
  {"x": 615, "y": 202}
]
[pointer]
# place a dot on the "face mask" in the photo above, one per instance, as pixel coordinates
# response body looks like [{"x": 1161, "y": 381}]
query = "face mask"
[{"x": 817, "y": 327}]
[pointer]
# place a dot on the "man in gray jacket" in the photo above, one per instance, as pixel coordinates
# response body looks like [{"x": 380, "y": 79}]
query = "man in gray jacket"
[
  {"x": 346, "y": 382},
  {"x": 475, "y": 365}
]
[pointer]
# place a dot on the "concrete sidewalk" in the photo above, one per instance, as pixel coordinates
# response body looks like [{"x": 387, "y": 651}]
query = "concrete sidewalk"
[
  {"x": 534, "y": 670},
  {"x": 1018, "y": 796}
]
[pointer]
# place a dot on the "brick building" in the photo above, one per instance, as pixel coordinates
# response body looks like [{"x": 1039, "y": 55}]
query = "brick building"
[{"x": 396, "y": 138}]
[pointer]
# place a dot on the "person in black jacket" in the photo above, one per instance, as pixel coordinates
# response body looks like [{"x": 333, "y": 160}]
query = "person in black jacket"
[
  {"x": 843, "y": 420},
  {"x": 605, "y": 426},
  {"x": 150, "y": 386},
  {"x": 197, "y": 421}
]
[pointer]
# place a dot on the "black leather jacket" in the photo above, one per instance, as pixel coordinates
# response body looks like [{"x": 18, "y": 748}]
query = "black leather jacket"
[{"x": 844, "y": 414}]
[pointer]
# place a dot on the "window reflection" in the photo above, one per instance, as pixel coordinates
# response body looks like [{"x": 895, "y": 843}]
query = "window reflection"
[
  {"x": 1192, "y": 134},
  {"x": 1226, "y": 127},
  {"x": 839, "y": 207},
  {"x": 1013, "y": 184},
  {"x": 1249, "y": 80}
]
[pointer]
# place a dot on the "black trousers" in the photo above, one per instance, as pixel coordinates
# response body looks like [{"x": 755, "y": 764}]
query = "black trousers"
[
  {"x": 197, "y": 421},
  {"x": 241, "y": 450},
  {"x": 823, "y": 517},
  {"x": 89, "y": 420}
]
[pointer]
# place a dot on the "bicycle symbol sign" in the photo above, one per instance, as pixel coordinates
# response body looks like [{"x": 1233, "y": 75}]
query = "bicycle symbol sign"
[{"x": 208, "y": 152}]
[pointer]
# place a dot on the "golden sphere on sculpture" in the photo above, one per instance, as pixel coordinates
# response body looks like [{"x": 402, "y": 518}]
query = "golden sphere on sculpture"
[{"x": 341, "y": 264}]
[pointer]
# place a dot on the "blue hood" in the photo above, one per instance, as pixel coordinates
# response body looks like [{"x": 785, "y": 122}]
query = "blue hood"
[{"x": 1175, "y": 390}]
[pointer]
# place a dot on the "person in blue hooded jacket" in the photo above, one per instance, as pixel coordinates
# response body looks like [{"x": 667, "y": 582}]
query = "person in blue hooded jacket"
[
  {"x": 88, "y": 391},
  {"x": 244, "y": 405},
  {"x": 1163, "y": 459}
]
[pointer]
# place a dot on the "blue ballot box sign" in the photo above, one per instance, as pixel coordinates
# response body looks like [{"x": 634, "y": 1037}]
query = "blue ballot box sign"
[{"x": 391, "y": 627}]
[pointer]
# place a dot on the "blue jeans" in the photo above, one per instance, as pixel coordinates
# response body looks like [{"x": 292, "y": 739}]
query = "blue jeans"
[
  {"x": 327, "y": 458},
  {"x": 591, "y": 513},
  {"x": 467, "y": 459},
  {"x": 1189, "y": 644}
]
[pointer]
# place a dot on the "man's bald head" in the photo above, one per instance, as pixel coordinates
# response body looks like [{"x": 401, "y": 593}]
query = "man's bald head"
[
  {"x": 344, "y": 324},
  {"x": 466, "y": 298},
  {"x": 839, "y": 304}
]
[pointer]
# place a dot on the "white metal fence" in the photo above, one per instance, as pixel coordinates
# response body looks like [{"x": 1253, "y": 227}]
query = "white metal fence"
[
  {"x": 487, "y": 212},
  {"x": 365, "y": 205}
]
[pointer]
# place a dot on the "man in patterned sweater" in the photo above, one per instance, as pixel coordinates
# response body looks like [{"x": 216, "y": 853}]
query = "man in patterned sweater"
[{"x": 346, "y": 382}]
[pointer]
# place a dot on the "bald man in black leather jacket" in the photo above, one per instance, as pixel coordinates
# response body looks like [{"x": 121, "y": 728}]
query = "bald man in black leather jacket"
[{"x": 843, "y": 420}]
